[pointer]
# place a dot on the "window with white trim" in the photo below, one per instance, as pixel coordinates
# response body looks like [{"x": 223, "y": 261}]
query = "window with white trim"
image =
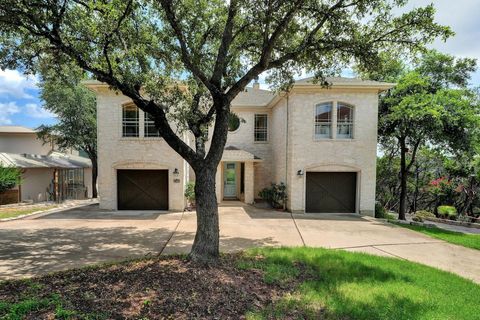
[
  {"x": 261, "y": 128},
  {"x": 130, "y": 121},
  {"x": 323, "y": 120},
  {"x": 149, "y": 126},
  {"x": 344, "y": 121}
]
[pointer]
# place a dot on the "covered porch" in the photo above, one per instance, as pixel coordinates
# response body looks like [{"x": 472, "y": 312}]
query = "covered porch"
[{"x": 235, "y": 175}]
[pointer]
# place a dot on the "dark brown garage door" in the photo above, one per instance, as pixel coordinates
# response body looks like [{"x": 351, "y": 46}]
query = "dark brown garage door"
[
  {"x": 333, "y": 192},
  {"x": 142, "y": 189}
]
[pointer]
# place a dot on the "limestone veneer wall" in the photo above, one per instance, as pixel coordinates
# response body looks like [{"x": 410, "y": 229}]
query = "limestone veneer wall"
[
  {"x": 355, "y": 155},
  {"x": 116, "y": 152},
  {"x": 243, "y": 138}
]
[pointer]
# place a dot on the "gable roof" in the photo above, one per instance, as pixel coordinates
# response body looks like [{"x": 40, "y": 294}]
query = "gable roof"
[
  {"x": 346, "y": 82},
  {"x": 16, "y": 129}
]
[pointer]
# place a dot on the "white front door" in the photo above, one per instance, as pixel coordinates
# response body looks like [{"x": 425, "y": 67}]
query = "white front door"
[{"x": 230, "y": 180}]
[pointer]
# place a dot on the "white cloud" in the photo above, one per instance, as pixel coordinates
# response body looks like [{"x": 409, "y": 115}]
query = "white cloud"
[
  {"x": 6, "y": 111},
  {"x": 16, "y": 84},
  {"x": 36, "y": 111}
]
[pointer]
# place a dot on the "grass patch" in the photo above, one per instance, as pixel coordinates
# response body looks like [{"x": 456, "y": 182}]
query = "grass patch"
[
  {"x": 345, "y": 285},
  {"x": 15, "y": 212},
  {"x": 263, "y": 283},
  {"x": 462, "y": 239}
]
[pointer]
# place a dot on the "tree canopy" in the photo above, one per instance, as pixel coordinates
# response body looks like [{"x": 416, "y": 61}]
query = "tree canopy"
[
  {"x": 75, "y": 108},
  {"x": 432, "y": 106}
]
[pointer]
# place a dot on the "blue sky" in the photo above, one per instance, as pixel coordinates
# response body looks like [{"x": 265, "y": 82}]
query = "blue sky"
[{"x": 19, "y": 95}]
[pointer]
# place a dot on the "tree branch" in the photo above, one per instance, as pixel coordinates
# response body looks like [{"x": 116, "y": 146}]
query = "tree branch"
[
  {"x": 227, "y": 38},
  {"x": 184, "y": 52}
]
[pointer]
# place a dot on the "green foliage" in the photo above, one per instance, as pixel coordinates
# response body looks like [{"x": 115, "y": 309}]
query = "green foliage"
[
  {"x": 380, "y": 211},
  {"x": 75, "y": 108},
  {"x": 422, "y": 215},
  {"x": 334, "y": 284},
  {"x": 463, "y": 239},
  {"x": 9, "y": 177},
  {"x": 275, "y": 195},
  {"x": 21, "y": 309},
  {"x": 447, "y": 212},
  {"x": 430, "y": 107},
  {"x": 190, "y": 191}
]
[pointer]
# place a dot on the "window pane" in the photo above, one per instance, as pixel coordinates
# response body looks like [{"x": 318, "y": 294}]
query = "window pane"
[
  {"x": 150, "y": 129},
  {"x": 130, "y": 121},
  {"x": 323, "y": 121},
  {"x": 261, "y": 127},
  {"x": 344, "y": 121}
]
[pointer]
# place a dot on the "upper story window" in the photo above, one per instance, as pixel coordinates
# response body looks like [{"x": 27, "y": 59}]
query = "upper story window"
[
  {"x": 344, "y": 121},
  {"x": 149, "y": 125},
  {"x": 323, "y": 121},
  {"x": 130, "y": 121},
  {"x": 261, "y": 128}
]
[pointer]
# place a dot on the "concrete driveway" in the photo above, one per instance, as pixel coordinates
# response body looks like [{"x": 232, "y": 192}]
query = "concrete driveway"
[{"x": 88, "y": 235}]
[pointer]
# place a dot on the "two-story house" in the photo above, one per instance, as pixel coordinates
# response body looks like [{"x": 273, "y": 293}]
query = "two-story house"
[{"x": 321, "y": 142}]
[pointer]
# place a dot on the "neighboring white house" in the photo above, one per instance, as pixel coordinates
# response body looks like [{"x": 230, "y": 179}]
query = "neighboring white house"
[
  {"x": 46, "y": 174},
  {"x": 321, "y": 142}
]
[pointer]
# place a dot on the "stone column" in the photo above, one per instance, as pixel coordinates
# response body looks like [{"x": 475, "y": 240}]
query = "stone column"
[
  {"x": 249, "y": 183},
  {"x": 219, "y": 182}
]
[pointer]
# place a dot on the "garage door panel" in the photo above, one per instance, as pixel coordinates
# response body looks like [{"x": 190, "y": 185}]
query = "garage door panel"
[
  {"x": 331, "y": 192},
  {"x": 142, "y": 189}
]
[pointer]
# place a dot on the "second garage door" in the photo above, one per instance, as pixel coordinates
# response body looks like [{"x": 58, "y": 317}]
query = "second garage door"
[
  {"x": 331, "y": 192},
  {"x": 142, "y": 189}
]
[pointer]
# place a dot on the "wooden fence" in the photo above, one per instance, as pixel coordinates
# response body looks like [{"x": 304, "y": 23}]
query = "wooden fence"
[{"x": 9, "y": 196}]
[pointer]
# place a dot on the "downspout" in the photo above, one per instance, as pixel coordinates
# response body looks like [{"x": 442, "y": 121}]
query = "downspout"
[{"x": 286, "y": 146}]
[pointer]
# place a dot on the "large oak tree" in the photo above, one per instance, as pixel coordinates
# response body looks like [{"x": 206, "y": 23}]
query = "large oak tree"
[{"x": 151, "y": 50}]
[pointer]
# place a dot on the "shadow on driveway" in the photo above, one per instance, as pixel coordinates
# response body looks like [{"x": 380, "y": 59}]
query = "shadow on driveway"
[{"x": 93, "y": 212}]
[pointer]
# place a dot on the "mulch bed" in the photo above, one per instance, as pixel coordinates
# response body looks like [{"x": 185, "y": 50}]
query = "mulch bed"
[{"x": 159, "y": 288}]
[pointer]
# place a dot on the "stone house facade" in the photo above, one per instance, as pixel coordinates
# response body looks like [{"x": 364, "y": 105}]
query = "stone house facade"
[{"x": 321, "y": 142}]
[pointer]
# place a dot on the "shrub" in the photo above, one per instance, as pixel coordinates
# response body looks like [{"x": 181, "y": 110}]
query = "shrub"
[
  {"x": 447, "y": 212},
  {"x": 275, "y": 195},
  {"x": 421, "y": 215},
  {"x": 9, "y": 177},
  {"x": 380, "y": 211},
  {"x": 190, "y": 192}
]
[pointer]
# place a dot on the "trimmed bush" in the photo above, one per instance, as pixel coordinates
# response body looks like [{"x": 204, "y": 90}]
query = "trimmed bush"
[
  {"x": 422, "y": 215},
  {"x": 275, "y": 195},
  {"x": 447, "y": 212},
  {"x": 9, "y": 177},
  {"x": 380, "y": 211}
]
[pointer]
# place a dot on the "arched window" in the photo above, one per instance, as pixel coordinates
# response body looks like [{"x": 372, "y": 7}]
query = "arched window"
[
  {"x": 344, "y": 121},
  {"x": 323, "y": 120},
  {"x": 130, "y": 121}
]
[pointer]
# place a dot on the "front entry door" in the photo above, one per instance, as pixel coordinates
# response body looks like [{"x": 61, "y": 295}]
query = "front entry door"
[{"x": 230, "y": 180}]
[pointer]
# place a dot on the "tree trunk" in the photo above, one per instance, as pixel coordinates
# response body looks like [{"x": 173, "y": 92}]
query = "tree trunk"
[
  {"x": 205, "y": 248},
  {"x": 94, "y": 177},
  {"x": 403, "y": 181}
]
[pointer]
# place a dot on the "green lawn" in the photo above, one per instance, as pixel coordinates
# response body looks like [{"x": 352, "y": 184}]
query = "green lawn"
[
  {"x": 462, "y": 239},
  {"x": 263, "y": 283},
  {"x": 345, "y": 285},
  {"x": 15, "y": 212}
]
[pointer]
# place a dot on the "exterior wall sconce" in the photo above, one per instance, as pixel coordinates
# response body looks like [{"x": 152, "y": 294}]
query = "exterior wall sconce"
[
  {"x": 300, "y": 173},
  {"x": 175, "y": 172}
]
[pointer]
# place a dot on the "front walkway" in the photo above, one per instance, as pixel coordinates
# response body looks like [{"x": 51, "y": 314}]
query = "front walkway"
[{"x": 88, "y": 235}]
